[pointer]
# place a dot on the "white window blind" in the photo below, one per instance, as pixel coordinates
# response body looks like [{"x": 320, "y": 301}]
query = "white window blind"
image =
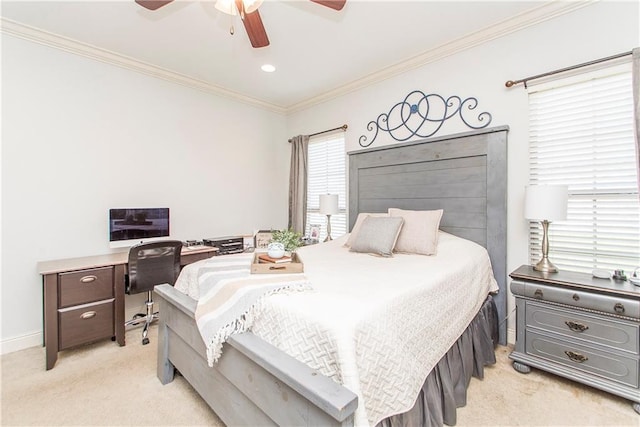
[
  {"x": 327, "y": 175},
  {"x": 581, "y": 135}
]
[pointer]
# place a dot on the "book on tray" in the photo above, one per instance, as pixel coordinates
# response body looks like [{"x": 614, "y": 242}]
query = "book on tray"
[{"x": 267, "y": 258}]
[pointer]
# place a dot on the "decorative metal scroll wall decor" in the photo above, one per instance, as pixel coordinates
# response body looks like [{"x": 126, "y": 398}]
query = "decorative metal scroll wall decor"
[{"x": 423, "y": 115}]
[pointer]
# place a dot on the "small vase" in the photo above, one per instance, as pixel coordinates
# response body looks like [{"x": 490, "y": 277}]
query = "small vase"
[{"x": 275, "y": 250}]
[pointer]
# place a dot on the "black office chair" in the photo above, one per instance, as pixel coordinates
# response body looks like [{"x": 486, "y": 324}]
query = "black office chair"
[{"x": 151, "y": 264}]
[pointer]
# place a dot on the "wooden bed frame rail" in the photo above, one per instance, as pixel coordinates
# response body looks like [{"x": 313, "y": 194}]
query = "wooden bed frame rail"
[{"x": 253, "y": 383}]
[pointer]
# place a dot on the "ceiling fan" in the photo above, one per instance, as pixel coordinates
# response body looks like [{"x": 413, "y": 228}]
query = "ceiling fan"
[{"x": 248, "y": 11}]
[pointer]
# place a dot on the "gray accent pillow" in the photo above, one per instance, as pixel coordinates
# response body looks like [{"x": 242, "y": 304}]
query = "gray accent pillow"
[
  {"x": 377, "y": 235},
  {"x": 356, "y": 227}
]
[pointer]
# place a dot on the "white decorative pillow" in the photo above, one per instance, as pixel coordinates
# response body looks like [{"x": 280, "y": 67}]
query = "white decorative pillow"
[
  {"x": 358, "y": 224},
  {"x": 419, "y": 234},
  {"x": 377, "y": 236}
]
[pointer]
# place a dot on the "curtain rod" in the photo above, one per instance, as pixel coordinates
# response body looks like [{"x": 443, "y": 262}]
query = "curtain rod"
[
  {"x": 343, "y": 127},
  {"x": 510, "y": 83}
]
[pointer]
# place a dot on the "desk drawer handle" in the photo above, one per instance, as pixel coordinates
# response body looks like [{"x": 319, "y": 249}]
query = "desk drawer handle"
[
  {"x": 618, "y": 308},
  {"x": 88, "y": 315},
  {"x": 576, "y": 327},
  {"x": 538, "y": 293},
  {"x": 576, "y": 357},
  {"x": 88, "y": 279}
]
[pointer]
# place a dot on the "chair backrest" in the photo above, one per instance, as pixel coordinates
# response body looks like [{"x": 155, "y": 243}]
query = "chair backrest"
[{"x": 153, "y": 264}]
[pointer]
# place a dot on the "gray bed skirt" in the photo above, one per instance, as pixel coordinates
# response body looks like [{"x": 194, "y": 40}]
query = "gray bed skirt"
[{"x": 445, "y": 389}]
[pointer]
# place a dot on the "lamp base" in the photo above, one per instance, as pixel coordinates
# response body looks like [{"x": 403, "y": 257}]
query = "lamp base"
[
  {"x": 545, "y": 266},
  {"x": 328, "y": 238}
]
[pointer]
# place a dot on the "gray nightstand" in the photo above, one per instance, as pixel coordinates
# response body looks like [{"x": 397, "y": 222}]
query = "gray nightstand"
[{"x": 579, "y": 327}]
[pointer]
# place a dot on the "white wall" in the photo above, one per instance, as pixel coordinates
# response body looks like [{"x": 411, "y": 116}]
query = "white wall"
[
  {"x": 595, "y": 31},
  {"x": 80, "y": 137}
]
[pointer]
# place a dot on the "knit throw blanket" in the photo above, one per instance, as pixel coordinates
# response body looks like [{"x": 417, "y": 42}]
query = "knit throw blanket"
[{"x": 231, "y": 297}]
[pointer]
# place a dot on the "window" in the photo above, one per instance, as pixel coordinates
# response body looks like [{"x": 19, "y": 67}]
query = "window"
[
  {"x": 581, "y": 135},
  {"x": 327, "y": 174}
]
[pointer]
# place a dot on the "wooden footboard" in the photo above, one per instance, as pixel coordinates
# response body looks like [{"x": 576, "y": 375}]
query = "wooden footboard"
[{"x": 254, "y": 383}]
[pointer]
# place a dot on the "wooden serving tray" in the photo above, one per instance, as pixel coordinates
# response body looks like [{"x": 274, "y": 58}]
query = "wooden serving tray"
[{"x": 259, "y": 267}]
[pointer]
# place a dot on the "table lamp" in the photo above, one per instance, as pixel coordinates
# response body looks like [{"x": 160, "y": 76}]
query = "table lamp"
[
  {"x": 546, "y": 203},
  {"x": 328, "y": 207}
]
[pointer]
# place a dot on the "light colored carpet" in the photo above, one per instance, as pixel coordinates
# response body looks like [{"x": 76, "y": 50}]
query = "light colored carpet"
[{"x": 104, "y": 384}]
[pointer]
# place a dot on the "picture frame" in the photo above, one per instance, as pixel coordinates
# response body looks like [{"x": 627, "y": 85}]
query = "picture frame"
[
  {"x": 314, "y": 231},
  {"x": 262, "y": 239}
]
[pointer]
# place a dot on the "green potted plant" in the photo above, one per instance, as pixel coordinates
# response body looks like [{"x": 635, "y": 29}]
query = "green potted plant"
[{"x": 290, "y": 239}]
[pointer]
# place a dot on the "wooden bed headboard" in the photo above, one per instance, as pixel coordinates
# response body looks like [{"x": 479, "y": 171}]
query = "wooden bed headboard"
[{"x": 464, "y": 174}]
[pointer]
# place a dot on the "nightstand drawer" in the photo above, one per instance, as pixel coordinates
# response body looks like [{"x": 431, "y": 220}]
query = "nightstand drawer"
[
  {"x": 615, "y": 367},
  {"x": 577, "y": 298},
  {"x": 86, "y": 323},
  {"x": 610, "y": 332},
  {"x": 84, "y": 286}
]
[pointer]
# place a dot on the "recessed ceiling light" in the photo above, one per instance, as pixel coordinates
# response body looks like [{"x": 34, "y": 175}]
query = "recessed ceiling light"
[{"x": 268, "y": 68}]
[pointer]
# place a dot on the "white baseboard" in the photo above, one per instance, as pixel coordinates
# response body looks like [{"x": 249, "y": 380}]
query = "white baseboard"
[
  {"x": 20, "y": 343},
  {"x": 511, "y": 336}
]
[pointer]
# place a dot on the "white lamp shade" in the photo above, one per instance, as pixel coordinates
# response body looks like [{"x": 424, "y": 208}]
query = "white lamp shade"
[
  {"x": 546, "y": 202},
  {"x": 329, "y": 204}
]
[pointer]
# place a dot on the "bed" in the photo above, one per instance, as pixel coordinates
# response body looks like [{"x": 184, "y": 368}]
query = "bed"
[{"x": 262, "y": 380}]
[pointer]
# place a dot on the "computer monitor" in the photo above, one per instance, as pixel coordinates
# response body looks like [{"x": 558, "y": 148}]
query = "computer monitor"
[{"x": 130, "y": 226}]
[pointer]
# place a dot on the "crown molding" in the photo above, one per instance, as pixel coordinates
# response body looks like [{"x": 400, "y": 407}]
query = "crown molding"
[
  {"x": 544, "y": 12},
  {"x": 98, "y": 54}
]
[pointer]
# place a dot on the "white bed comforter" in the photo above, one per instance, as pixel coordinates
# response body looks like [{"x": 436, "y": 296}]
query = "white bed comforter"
[{"x": 376, "y": 325}]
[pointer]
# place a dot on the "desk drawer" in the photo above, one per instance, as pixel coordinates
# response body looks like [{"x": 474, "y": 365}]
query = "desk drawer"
[
  {"x": 78, "y": 287},
  {"x": 86, "y": 323},
  {"x": 616, "y": 367},
  {"x": 610, "y": 332}
]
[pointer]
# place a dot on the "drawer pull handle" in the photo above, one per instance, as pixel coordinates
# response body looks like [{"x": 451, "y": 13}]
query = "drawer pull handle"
[
  {"x": 576, "y": 327},
  {"x": 576, "y": 297},
  {"x": 618, "y": 308},
  {"x": 538, "y": 293},
  {"x": 88, "y": 279},
  {"x": 576, "y": 357},
  {"x": 88, "y": 315}
]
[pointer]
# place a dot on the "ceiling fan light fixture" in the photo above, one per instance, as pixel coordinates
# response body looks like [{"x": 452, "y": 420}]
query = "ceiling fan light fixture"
[
  {"x": 251, "y": 5},
  {"x": 227, "y": 6}
]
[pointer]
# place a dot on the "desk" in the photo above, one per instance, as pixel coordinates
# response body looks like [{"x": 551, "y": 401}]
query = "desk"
[{"x": 84, "y": 298}]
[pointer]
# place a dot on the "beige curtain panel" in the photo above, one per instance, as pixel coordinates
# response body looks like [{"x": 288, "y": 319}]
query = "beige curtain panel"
[
  {"x": 636, "y": 106},
  {"x": 298, "y": 183}
]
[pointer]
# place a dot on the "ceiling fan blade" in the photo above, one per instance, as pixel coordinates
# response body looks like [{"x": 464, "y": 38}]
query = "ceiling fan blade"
[
  {"x": 254, "y": 27},
  {"x": 333, "y": 4},
  {"x": 153, "y": 4}
]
